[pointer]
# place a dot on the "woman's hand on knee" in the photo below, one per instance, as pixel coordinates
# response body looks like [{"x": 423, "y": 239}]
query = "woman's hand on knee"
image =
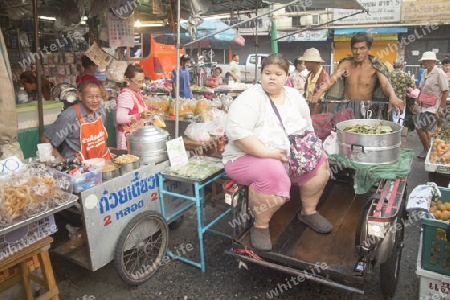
[{"x": 278, "y": 154}]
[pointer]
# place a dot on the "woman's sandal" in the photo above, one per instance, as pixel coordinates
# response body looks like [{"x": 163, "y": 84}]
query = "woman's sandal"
[
  {"x": 260, "y": 238},
  {"x": 316, "y": 222}
]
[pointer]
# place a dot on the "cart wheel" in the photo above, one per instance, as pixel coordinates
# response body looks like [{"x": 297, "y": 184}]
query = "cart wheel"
[
  {"x": 141, "y": 247},
  {"x": 177, "y": 223},
  {"x": 390, "y": 270}
]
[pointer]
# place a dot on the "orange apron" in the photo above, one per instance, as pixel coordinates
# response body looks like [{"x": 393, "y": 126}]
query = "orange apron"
[{"x": 92, "y": 138}]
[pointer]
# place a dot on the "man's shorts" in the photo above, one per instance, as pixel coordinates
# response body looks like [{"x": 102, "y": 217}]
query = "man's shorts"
[
  {"x": 367, "y": 109},
  {"x": 425, "y": 121}
]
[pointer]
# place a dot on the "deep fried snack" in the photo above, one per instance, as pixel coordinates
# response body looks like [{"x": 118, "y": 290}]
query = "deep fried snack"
[
  {"x": 14, "y": 199},
  {"x": 126, "y": 158},
  {"x": 109, "y": 167}
]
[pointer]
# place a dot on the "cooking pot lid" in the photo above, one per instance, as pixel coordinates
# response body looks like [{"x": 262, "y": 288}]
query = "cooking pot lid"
[{"x": 149, "y": 133}]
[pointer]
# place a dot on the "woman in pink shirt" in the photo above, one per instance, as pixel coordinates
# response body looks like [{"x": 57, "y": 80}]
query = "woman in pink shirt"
[
  {"x": 130, "y": 104},
  {"x": 215, "y": 80}
]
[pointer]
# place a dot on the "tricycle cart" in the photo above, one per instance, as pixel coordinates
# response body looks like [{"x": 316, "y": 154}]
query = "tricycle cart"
[
  {"x": 122, "y": 222},
  {"x": 367, "y": 229}
]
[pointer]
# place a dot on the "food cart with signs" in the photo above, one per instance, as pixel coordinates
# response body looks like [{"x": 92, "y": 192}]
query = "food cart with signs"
[{"x": 123, "y": 223}]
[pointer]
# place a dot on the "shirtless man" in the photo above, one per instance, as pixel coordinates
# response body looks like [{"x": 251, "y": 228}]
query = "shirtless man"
[{"x": 361, "y": 76}]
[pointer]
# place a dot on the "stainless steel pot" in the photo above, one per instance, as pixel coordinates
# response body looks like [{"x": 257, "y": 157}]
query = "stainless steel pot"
[
  {"x": 108, "y": 175},
  {"x": 369, "y": 149},
  {"x": 129, "y": 167},
  {"x": 149, "y": 143}
]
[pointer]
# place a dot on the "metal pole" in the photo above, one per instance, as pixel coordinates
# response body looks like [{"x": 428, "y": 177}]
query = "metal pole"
[
  {"x": 273, "y": 35},
  {"x": 177, "y": 79},
  {"x": 38, "y": 69}
]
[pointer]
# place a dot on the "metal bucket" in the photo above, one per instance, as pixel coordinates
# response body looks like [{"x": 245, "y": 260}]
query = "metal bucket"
[{"x": 369, "y": 149}]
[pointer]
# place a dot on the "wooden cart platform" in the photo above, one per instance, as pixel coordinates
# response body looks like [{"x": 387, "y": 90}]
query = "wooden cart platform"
[{"x": 297, "y": 248}]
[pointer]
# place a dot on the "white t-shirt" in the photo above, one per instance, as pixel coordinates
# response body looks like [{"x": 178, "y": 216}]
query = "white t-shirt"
[
  {"x": 252, "y": 114},
  {"x": 234, "y": 68}
]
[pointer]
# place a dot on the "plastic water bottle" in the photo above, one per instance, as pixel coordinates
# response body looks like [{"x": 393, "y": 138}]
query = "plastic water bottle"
[{"x": 22, "y": 96}]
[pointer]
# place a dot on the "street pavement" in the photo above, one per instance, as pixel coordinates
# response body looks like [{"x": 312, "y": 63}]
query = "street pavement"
[{"x": 223, "y": 279}]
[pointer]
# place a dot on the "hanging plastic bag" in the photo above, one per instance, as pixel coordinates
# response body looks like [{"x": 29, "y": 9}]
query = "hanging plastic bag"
[
  {"x": 116, "y": 70},
  {"x": 197, "y": 132},
  {"x": 330, "y": 144}
]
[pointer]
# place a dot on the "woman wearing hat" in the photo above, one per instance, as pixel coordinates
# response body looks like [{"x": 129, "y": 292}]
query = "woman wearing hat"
[
  {"x": 431, "y": 100},
  {"x": 317, "y": 75}
]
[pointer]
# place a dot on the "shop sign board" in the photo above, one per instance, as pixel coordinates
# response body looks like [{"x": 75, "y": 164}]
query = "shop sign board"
[
  {"x": 378, "y": 11},
  {"x": 425, "y": 10},
  {"x": 109, "y": 207},
  {"x": 304, "y": 36},
  {"x": 376, "y": 37}
]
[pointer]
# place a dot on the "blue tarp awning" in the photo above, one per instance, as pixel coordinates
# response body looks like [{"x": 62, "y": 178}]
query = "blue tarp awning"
[{"x": 377, "y": 30}]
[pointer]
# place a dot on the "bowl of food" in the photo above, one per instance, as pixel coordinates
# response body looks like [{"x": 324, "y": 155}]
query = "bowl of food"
[
  {"x": 110, "y": 171},
  {"x": 128, "y": 163}
]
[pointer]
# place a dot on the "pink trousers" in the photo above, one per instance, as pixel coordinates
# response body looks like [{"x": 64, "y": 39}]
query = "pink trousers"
[{"x": 266, "y": 175}]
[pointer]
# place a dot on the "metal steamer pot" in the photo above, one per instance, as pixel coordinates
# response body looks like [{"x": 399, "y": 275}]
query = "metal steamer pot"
[
  {"x": 369, "y": 149},
  {"x": 149, "y": 143}
]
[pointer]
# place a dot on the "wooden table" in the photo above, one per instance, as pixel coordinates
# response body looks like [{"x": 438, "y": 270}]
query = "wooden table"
[{"x": 20, "y": 258}]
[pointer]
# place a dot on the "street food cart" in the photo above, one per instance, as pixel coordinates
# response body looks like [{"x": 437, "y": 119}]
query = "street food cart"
[{"x": 123, "y": 223}]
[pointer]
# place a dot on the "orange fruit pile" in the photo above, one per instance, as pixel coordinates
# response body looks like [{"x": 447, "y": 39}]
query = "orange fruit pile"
[
  {"x": 440, "y": 210},
  {"x": 439, "y": 152}
]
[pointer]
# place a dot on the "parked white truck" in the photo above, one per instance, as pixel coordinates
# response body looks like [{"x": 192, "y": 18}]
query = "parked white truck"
[{"x": 248, "y": 69}]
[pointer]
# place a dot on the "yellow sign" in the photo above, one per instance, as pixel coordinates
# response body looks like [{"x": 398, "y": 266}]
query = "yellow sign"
[
  {"x": 425, "y": 10},
  {"x": 376, "y": 37}
]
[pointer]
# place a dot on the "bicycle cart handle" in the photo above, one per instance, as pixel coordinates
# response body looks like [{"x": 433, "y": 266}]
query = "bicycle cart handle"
[{"x": 352, "y": 146}]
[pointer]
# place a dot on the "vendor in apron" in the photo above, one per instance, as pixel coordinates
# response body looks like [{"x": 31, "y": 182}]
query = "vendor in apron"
[{"x": 79, "y": 131}]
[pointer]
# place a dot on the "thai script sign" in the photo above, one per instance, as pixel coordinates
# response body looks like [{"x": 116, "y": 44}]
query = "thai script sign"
[
  {"x": 425, "y": 10},
  {"x": 378, "y": 11}
]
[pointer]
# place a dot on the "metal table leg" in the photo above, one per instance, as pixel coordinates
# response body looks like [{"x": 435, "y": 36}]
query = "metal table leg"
[{"x": 199, "y": 201}]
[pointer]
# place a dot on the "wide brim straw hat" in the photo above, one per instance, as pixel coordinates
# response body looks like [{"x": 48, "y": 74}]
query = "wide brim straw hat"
[
  {"x": 311, "y": 54},
  {"x": 429, "y": 55}
]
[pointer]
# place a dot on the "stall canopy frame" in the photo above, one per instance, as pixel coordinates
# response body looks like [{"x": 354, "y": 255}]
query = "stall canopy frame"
[{"x": 319, "y": 4}]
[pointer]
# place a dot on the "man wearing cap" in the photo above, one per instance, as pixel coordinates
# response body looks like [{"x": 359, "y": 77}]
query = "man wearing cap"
[
  {"x": 316, "y": 77},
  {"x": 400, "y": 81},
  {"x": 362, "y": 73},
  {"x": 431, "y": 101},
  {"x": 185, "y": 90}
]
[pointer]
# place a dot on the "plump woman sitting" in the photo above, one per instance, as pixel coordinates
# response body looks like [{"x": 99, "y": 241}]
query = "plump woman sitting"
[{"x": 258, "y": 151}]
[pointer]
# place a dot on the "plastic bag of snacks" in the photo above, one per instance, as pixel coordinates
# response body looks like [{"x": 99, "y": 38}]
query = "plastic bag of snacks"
[
  {"x": 158, "y": 121},
  {"x": 14, "y": 194},
  {"x": 201, "y": 106},
  {"x": 42, "y": 189}
]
